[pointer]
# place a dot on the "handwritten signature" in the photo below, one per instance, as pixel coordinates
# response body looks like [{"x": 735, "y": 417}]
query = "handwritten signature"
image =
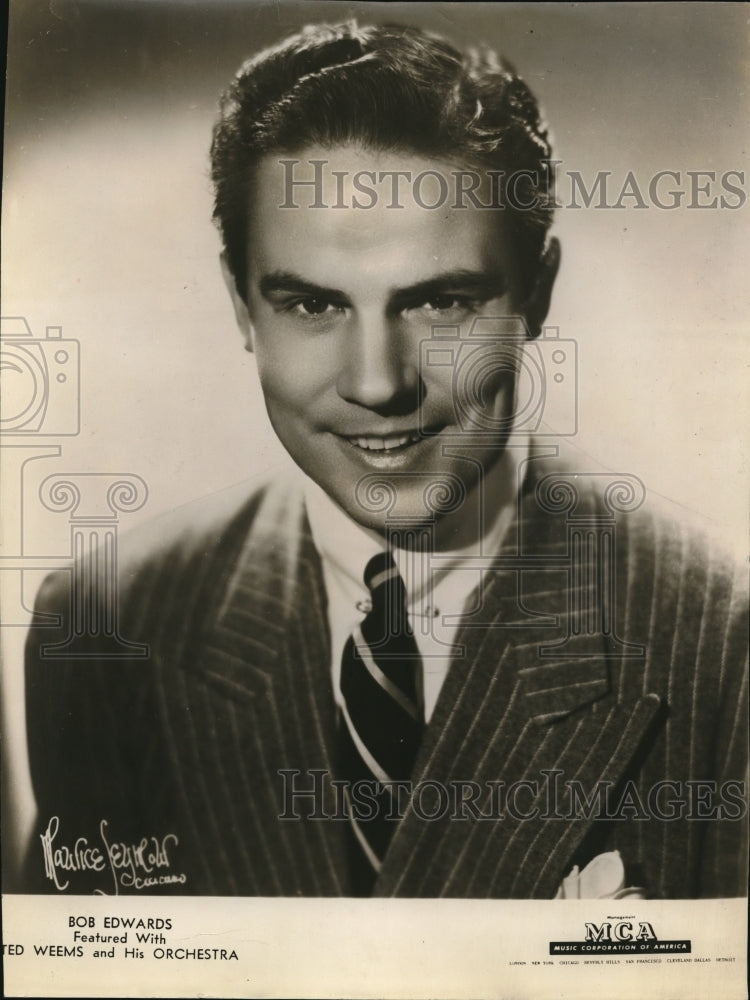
[{"x": 131, "y": 866}]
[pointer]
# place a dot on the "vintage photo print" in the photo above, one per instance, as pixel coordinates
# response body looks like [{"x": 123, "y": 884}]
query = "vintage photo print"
[{"x": 374, "y": 484}]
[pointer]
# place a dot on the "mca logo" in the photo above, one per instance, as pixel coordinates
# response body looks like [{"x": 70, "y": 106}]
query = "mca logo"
[
  {"x": 628, "y": 936},
  {"x": 622, "y": 930}
]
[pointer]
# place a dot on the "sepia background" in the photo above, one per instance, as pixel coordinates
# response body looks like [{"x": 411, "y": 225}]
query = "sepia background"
[{"x": 107, "y": 234}]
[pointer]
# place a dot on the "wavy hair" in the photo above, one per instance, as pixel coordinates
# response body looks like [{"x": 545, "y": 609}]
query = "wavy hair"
[{"x": 388, "y": 87}]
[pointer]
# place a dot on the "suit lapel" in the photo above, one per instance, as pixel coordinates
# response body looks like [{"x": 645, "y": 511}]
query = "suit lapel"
[
  {"x": 261, "y": 715},
  {"x": 524, "y": 732}
]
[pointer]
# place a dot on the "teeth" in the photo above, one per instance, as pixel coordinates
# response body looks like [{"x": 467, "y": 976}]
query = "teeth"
[{"x": 383, "y": 444}]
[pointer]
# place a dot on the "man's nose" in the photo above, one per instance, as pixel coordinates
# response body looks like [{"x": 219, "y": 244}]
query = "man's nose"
[{"x": 379, "y": 369}]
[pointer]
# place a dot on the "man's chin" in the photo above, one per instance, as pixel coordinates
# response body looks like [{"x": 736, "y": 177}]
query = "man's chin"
[{"x": 396, "y": 514}]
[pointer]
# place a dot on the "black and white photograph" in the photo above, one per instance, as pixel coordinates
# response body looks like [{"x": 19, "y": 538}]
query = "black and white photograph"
[{"x": 374, "y": 499}]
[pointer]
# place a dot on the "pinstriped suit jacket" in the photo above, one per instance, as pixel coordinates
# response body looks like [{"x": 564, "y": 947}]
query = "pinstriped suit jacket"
[{"x": 236, "y": 688}]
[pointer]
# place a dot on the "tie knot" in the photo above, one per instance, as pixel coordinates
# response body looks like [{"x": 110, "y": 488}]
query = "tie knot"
[
  {"x": 386, "y": 587},
  {"x": 381, "y": 571}
]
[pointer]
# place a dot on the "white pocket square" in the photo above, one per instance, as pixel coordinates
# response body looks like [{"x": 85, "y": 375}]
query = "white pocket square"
[{"x": 602, "y": 878}]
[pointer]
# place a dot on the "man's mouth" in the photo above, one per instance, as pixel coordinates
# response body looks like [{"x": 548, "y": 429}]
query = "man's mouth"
[{"x": 385, "y": 444}]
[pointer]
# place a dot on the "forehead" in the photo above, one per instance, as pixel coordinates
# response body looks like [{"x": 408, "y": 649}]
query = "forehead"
[{"x": 361, "y": 216}]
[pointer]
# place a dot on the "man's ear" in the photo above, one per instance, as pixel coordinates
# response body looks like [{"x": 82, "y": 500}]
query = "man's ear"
[
  {"x": 241, "y": 312},
  {"x": 536, "y": 306}
]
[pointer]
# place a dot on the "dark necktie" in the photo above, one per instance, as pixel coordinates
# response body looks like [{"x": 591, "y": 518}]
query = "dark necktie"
[{"x": 382, "y": 720}]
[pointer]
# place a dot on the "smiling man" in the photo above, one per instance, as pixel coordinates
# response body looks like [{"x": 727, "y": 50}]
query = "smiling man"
[{"x": 434, "y": 661}]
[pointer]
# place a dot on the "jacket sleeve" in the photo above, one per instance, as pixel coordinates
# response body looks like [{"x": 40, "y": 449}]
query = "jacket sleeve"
[
  {"x": 82, "y": 717},
  {"x": 725, "y": 859}
]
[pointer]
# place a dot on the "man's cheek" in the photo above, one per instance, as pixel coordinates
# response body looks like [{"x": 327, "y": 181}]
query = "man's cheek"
[
  {"x": 483, "y": 399},
  {"x": 439, "y": 396}
]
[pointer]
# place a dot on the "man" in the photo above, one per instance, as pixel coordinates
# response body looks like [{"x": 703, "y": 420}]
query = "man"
[{"x": 438, "y": 662}]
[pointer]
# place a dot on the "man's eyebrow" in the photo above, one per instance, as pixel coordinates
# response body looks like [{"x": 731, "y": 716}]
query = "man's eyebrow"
[
  {"x": 288, "y": 281},
  {"x": 483, "y": 284}
]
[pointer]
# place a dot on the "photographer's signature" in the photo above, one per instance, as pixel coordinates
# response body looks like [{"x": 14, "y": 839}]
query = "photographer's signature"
[{"x": 139, "y": 866}]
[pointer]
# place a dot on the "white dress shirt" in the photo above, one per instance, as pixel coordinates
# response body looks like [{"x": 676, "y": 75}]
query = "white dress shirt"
[{"x": 435, "y": 598}]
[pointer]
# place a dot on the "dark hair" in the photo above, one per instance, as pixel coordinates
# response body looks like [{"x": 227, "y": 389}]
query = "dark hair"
[{"x": 386, "y": 87}]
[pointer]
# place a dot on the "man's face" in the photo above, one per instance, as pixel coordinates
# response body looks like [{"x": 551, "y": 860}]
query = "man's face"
[{"x": 341, "y": 304}]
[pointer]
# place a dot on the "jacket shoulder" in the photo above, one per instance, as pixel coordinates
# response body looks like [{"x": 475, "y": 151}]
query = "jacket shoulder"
[
  {"x": 676, "y": 585},
  {"x": 644, "y": 523},
  {"x": 201, "y": 539}
]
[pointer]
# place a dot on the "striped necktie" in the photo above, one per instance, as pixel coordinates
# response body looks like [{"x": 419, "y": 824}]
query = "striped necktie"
[{"x": 382, "y": 718}]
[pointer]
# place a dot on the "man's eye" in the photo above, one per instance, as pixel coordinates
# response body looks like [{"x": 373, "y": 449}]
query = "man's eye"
[
  {"x": 447, "y": 303},
  {"x": 441, "y": 302},
  {"x": 313, "y": 306}
]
